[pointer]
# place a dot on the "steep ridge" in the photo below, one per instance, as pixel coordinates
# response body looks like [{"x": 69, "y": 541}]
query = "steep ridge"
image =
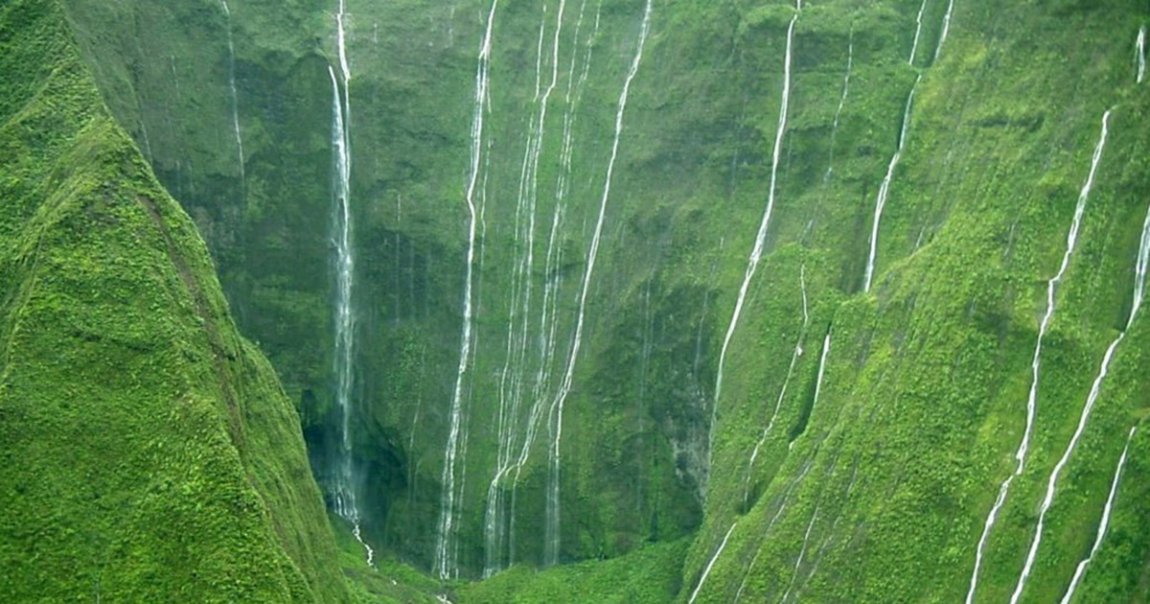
[{"x": 149, "y": 451}]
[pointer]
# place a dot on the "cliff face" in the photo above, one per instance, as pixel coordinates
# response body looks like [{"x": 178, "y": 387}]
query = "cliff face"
[
  {"x": 768, "y": 274},
  {"x": 149, "y": 452}
]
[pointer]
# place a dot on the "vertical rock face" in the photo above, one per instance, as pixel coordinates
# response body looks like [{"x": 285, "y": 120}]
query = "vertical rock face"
[
  {"x": 149, "y": 453},
  {"x": 921, "y": 186}
]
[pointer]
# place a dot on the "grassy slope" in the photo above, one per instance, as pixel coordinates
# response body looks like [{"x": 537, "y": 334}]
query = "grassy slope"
[
  {"x": 926, "y": 386},
  {"x": 149, "y": 452}
]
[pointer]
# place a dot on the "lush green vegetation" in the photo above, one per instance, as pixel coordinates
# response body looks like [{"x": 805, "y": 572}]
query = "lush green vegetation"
[
  {"x": 149, "y": 453},
  {"x": 877, "y": 491}
]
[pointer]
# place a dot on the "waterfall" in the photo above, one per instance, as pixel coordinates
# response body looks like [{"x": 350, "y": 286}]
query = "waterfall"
[
  {"x": 798, "y": 352},
  {"x": 1035, "y": 364},
  {"x": 346, "y": 497},
  {"x": 552, "y": 516},
  {"x": 771, "y": 524},
  {"x": 446, "y": 562},
  {"x": 1096, "y": 388},
  {"x": 761, "y": 236},
  {"x": 945, "y": 29},
  {"x": 842, "y": 103},
  {"x": 802, "y": 554},
  {"x": 917, "y": 33},
  {"x": 1102, "y": 524},
  {"x": 1140, "y": 48},
  {"x": 520, "y": 310},
  {"x": 884, "y": 188},
  {"x": 822, "y": 371},
  {"x": 711, "y": 563},
  {"x": 235, "y": 97}
]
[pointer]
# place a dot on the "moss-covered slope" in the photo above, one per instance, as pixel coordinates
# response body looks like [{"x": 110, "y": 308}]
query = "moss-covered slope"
[{"x": 147, "y": 451}]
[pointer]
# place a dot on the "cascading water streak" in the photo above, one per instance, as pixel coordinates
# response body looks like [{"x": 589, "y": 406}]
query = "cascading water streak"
[
  {"x": 711, "y": 563},
  {"x": 802, "y": 555},
  {"x": 1096, "y": 387},
  {"x": 235, "y": 97},
  {"x": 445, "y": 563},
  {"x": 945, "y": 29},
  {"x": 1140, "y": 49},
  {"x": 798, "y": 352},
  {"x": 760, "y": 237},
  {"x": 518, "y": 340},
  {"x": 884, "y": 188},
  {"x": 346, "y": 497},
  {"x": 1036, "y": 361},
  {"x": 1103, "y": 524},
  {"x": 552, "y": 513},
  {"x": 917, "y": 32}
]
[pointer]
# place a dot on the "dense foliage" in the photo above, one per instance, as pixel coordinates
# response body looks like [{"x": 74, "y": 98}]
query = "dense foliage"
[
  {"x": 149, "y": 453},
  {"x": 867, "y": 477}
]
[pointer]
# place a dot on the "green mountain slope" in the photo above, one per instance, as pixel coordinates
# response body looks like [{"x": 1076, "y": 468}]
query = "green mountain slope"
[{"x": 148, "y": 451}]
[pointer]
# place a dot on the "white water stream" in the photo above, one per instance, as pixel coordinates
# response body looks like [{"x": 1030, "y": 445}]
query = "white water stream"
[
  {"x": 553, "y": 508},
  {"x": 917, "y": 32},
  {"x": 446, "y": 561},
  {"x": 884, "y": 188},
  {"x": 1036, "y": 363},
  {"x": 1102, "y": 525},
  {"x": 945, "y": 29},
  {"x": 711, "y": 563},
  {"x": 1096, "y": 388},
  {"x": 761, "y": 236},
  {"x": 1140, "y": 48},
  {"x": 798, "y": 352},
  {"x": 346, "y": 497},
  {"x": 235, "y": 97}
]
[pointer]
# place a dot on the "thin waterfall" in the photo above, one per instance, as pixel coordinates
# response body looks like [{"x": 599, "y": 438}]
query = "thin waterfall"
[
  {"x": 1036, "y": 363},
  {"x": 917, "y": 33},
  {"x": 346, "y": 497},
  {"x": 446, "y": 562},
  {"x": 798, "y": 352},
  {"x": 1096, "y": 388},
  {"x": 1140, "y": 49},
  {"x": 1102, "y": 524},
  {"x": 549, "y": 322},
  {"x": 884, "y": 188},
  {"x": 552, "y": 536},
  {"x": 842, "y": 103},
  {"x": 771, "y": 524},
  {"x": 235, "y": 97},
  {"x": 711, "y": 563},
  {"x": 760, "y": 237},
  {"x": 518, "y": 340},
  {"x": 945, "y": 29},
  {"x": 802, "y": 555}
]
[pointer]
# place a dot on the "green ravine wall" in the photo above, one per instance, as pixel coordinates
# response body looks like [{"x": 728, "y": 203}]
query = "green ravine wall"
[
  {"x": 879, "y": 491},
  {"x": 149, "y": 452}
]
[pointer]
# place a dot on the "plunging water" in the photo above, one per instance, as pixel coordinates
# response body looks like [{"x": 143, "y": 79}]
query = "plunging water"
[
  {"x": 1140, "y": 48},
  {"x": 235, "y": 97},
  {"x": 917, "y": 32},
  {"x": 761, "y": 236},
  {"x": 1096, "y": 388},
  {"x": 795, "y": 354},
  {"x": 1103, "y": 524},
  {"x": 945, "y": 29},
  {"x": 1036, "y": 363},
  {"x": 446, "y": 561},
  {"x": 711, "y": 563},
  {"x": 884, "y": 188},
  {"x": 552, "y": 509}
]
